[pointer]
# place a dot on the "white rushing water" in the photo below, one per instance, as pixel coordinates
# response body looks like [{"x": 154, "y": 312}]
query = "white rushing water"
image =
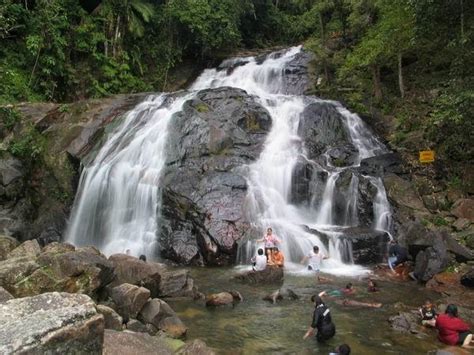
[
  {"x": 269, "y": 178},
  {"x": 118, "y": 200}
]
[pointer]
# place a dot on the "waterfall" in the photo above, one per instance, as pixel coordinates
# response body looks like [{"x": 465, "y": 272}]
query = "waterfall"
[
  {"x": 351, "y": 218},
  {"x": 118, "y": 195},
  {"x": 118, "y": 200},
  {"x": 325, "y": 211}
]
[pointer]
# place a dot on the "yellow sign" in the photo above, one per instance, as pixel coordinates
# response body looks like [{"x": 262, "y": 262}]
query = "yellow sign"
[{"x": 427, "y": 156}]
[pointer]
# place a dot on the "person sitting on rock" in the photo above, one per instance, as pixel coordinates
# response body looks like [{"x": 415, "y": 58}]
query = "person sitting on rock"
[
  {"x": 270, "y": 240},
  {"x": 315, "y": 258},
  {"x": 428, "y": 314},
  {"x": 259, "y": 261},
  {"x": 452, "y": 330},
  {"x": 396, "y": 255},
  {"x": 322, "y": 321},
  {"x": 278, "y": 258}
]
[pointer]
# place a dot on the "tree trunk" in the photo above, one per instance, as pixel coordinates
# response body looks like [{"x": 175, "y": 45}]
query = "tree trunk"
[
  {"x": 321, "y": 24},
  {"x": 376, "y": 81},
  {"x": 400, "y": 76},
  {"x": 116, "y": 36}
]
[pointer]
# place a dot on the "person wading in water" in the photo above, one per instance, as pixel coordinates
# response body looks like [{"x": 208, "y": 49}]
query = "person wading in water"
[{"x": 322, "y": 321}]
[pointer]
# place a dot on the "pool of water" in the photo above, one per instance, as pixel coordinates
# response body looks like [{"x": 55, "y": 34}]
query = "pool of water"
[{"x": 257, "y": 326}]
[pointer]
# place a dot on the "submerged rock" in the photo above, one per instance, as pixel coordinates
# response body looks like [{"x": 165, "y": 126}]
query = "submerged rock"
[
  {"x": 51, "y": 323},
  {"x": 281, "y": 294},
  {"x": 406, "y": 322},
  {"x": 224, "y": 298},
  {"x": 272, "y": 274}
]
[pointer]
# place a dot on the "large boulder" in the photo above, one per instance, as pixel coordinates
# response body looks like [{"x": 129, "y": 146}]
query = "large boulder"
[
  {"x": 7, "y": 244},
  {"x": 382, "y": 164},
  {"x": 154, "y": 311},
  {"x": 112, "y": 319},
  {"x": 196, "y": 347},
  {"x": 128, "y": 342},
  {"x": 271, "y": 274},
  {"x": 51, "y": 323},
  {"x": 216, "y": 133},
  {"x": 322, "y": 128},
  {"x": 29, "y": 248},
  {"x": 5, "y": 295},
  {"x": 406, "y": 322},
  {"x": 129, "y": 269},
  {"x": 15, "y": 270},
  {"x": 129, "y": 299}
]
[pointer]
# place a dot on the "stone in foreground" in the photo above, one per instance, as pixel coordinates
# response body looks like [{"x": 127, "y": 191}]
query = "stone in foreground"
[
  {"x": 53, "y": 323},
  {"x": 126, "y": 342}
]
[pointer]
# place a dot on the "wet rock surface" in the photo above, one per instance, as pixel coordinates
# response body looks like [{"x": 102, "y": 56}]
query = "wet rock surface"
[
  {"x": 203, "y": 188},
  {"x": 271, "y": 274},
  {"x": 51, "y": 323}
]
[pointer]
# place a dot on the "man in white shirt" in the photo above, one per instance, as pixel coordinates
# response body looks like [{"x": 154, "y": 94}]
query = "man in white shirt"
[
  {"x": 315, "y": 258},
  {"x": 259, "y": 261}
]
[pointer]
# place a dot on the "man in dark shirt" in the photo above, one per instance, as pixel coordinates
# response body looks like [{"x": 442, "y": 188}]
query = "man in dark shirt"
[
  {"x": 321, "y": 321},
  {"x": 396, "y": 254}
]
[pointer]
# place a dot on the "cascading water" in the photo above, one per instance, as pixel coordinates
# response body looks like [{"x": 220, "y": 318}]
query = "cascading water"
[
  {"x": 269, "y": 178},
  {"x": 119, "y": 200}
]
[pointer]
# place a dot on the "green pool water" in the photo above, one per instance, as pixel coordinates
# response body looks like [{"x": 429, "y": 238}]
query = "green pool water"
[{"x": 256, "y": 326}]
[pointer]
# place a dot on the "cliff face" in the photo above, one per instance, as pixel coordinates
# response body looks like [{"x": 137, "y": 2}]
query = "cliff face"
[{"x": 40, "y": 158}]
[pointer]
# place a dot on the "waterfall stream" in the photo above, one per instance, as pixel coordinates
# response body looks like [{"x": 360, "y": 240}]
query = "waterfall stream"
[{"x": 118, "y": 200}]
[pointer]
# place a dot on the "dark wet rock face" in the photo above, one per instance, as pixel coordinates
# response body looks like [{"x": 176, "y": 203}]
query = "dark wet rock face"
[
  {"x": 218, "y": 132},
  {"x": 322, "y": 128}
]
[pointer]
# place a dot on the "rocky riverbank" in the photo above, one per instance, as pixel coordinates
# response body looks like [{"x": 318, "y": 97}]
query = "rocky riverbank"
[{"x": 60, "y": 297}]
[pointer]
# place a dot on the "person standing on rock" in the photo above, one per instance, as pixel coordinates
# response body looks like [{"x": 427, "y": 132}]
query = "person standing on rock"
[
  {"x": 315, "y": 259},
  {"x": 270, "y": 240},
  {"x": 396, "y": 255},
  {"x": 322, "y": 321}
]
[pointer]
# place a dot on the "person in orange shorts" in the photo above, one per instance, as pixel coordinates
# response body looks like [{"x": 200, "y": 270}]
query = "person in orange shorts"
[{"x": 278, "y": 258}]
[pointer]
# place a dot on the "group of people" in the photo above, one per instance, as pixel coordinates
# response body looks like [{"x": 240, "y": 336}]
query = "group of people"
[
  {"x": 272, "y": 256},
  {"x": 452, "y": 330}
]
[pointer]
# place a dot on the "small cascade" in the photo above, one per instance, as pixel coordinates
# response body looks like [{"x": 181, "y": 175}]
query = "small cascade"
[
  {"x": 382, "y": 210},
  {"x": 326, "y": 209},
  {"x": 351, "y": 216}
]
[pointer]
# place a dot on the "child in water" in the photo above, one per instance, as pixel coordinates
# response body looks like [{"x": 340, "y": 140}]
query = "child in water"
[
  {"x": 346, "y": 291},
  {"x": 372, "y": 286},
  {"x": 428, "y": 314}
]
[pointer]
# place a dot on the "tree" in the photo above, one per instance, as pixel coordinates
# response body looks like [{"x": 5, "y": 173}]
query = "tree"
[{"x": 387, "y": 40}]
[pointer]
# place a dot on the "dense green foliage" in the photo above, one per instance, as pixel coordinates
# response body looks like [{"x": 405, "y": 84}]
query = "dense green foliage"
[
  {"x": 54, "y": 50},
  {"x": 412, "y": 59}
]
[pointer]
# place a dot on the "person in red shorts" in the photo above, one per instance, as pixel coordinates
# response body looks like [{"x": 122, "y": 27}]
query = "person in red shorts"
[{"x": 452, "y": 330}]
